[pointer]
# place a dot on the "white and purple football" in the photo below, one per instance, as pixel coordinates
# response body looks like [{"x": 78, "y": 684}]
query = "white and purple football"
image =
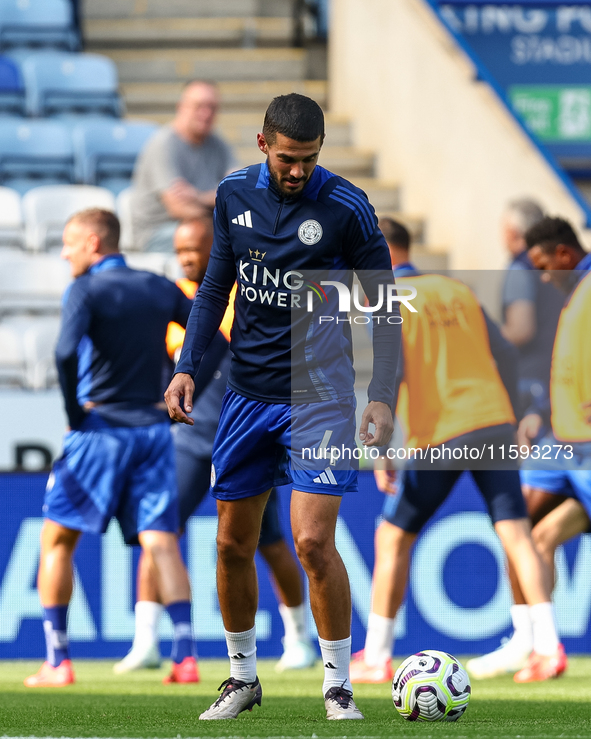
[{"x": 431, "y": 686}]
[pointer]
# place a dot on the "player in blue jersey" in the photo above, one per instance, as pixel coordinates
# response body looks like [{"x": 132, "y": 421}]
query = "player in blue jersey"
[
  {"x": 193, "y": 449},
  {"x": 273, "y": 222},
  {"x": 118, "y": 457}
]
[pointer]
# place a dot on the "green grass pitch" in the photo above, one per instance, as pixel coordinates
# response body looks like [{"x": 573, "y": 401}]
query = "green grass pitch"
[{"x": 102, "y": 704}]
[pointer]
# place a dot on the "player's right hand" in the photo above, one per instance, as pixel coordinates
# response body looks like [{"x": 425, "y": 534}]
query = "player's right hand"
[{"x": 181, "y": 387}]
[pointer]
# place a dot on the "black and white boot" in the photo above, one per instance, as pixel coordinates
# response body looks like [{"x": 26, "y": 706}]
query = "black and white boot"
[
  {"x": 339, "y": 704},
  {"x": 236, "y": 697}
]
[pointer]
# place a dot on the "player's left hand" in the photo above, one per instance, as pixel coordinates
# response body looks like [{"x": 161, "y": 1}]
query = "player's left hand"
[
  {"x": 380, "y": 415},
  {"x": 587, "y": 411}
]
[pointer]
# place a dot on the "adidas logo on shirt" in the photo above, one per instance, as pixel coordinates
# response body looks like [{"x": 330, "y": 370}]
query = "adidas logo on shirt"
[
  {"x": 243, "y": 219},
  {"x": 326, "y": 477}
]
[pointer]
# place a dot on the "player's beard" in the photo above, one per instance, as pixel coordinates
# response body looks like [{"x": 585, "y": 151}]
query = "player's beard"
[{"x": 287, "y": 194}]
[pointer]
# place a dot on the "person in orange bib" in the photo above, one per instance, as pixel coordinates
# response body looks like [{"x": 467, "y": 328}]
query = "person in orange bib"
[{"x": 456, "y": 388}]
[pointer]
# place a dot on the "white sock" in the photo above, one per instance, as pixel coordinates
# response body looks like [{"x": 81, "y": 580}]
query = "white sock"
[
  {"x": 378, "y": 640},
  {"x": 242, "y": 651},
  {"x": 294, "y": 623},
  {"x": 544, "y": 628},
  {"x": 522, "y": 627},
  {"x": 336, "y": 656},
  {"x": 147, "y": 620}
]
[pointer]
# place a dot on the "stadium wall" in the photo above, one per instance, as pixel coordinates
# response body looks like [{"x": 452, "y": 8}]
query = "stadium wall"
[
  {"x": 458, "y": 599},
  {"x": 459, "y": 155}
]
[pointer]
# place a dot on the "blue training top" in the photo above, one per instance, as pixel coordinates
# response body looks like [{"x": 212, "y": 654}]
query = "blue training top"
[
  {"x": 111, "y": 346},
  {"x": 269, "y": 243}
]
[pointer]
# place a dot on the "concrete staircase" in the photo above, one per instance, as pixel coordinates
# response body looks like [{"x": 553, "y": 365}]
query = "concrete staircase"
[{"x": 245, "y": 45}]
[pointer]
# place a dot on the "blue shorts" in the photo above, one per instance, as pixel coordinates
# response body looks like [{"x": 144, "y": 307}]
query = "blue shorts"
[
  {"x": 422, "y": 491},
  {"x": 549, "y": 475},
  {"x": 126, "y": 472},
  {"x": 561, "y": 476},
  {"x": 193, "y": 475},
  {"x": 550, "y": 481},
  {"x": 263, "y": 445}
]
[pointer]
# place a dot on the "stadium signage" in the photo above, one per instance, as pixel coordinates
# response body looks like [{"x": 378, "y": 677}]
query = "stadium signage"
[
  {"x": 540, "y": 54},
  {"x": 458, "y": 599},
  {"x": 510, "y": 19},
  {"x": 555, "y": 40}
]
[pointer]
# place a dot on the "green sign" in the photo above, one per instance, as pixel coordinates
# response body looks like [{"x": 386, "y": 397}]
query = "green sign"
[{"x": 554, "y": 112}]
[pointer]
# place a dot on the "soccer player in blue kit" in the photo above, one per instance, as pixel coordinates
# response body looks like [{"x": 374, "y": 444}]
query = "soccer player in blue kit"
[
  {"x": 273, "y": 221},
  {"x": 193, "y": 449},
  {"x": 118, "y": 457}
]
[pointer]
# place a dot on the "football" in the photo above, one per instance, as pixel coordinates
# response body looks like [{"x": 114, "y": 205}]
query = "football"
[{"x": 431, "y": 686}]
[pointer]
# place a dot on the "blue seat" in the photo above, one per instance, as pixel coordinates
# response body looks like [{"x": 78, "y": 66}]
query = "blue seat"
[
  {"x": 35, "y": 153},
  {"x": 106, "y": 151},
  {"x": 59, "y": 82},
  {"x": 12, "y": 92},
  {"x": 40, "y": 23}
]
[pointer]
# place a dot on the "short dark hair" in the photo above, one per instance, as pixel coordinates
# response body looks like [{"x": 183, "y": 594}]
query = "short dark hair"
[
  {"x": 104, "y": 222},
  {"x": 296, "y": 116},
  {"x": 394, "y": 232},
  {"x": 550, "y": 232}
]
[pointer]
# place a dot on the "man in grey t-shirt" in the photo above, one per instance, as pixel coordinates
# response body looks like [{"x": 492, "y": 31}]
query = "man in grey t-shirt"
[
  {"x": 530, "y": 307},
  {"x": 178, "y": 171}
]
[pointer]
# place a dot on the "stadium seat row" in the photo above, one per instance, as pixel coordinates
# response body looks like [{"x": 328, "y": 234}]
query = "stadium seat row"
[
  {"x": 31, "y": 290},
  {"x": 37, "y": 23},
  {"x": 27, "y": 347},
  {"x": 92, "y": 151},
  {"x": 50, "y": 83},
  {"x": 36, "y": 221},
  {"x": 33, "y": 284}
]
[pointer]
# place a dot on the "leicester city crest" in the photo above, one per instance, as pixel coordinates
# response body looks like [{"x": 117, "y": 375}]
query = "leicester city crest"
[{"x": 310, "y": 232}]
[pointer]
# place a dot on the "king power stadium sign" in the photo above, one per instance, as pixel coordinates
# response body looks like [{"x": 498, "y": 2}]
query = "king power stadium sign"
[{"x": 541, "y": 57}]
